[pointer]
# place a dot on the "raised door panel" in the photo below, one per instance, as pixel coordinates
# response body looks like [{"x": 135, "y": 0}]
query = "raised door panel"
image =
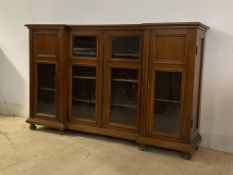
[
  {"x": 169, "y": 46},
  {"x": 46, "y": 44}
]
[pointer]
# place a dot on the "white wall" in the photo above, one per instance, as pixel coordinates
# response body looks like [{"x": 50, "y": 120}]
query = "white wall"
[{"x": 217, "y": 90}]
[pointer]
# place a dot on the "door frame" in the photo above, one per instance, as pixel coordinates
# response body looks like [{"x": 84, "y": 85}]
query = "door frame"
[
  {"x": 150, "y": 102},
  {"x": 87, "y": 62},
  {"x": 109, "y": 64}
]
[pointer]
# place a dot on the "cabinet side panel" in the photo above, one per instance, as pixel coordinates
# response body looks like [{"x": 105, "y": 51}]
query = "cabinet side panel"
[
  {"x": 189, "y": 85},
  {"x": 31, "y": 73},
  {"x": 197, "y": 84}
]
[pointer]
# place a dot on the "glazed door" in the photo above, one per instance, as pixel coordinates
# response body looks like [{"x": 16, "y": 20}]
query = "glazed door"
[
  {"x": 166, "y": 103},
  {"x": 85, "y": 72},
  {"x": 44, "y": 79},
  {"x": 166, "y": 84},
  {"x": 46, "y": 89},
  {"x": 122, "y": 78}
]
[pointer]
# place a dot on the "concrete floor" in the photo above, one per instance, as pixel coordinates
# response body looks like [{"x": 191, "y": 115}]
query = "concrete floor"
[{"x": 44, "y": 152}]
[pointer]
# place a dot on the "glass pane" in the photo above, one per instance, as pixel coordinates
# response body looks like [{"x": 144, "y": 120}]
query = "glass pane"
[
  {"x": 124, "y": 97},
  {"x": 84, "y": 46},
  {"x": 46, "y": 89},
  {"x": 167, "y": 102},
  {"x": 83, "y": 110},
  {"x": 84, "y": 92},
  {"x": 84, "y": 71},
  {"x": 125, "y": 47},
  {"x": 124, "y": 74}
]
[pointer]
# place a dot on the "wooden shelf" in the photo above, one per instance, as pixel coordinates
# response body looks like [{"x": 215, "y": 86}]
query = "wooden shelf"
[
  {"x": 124, "y": 105},
  {"x": 125, "y": 80},
  {"x": 83, "y": 41},
  {"x": 125, "y": 55},
  {"x": 47, "y": 89},
  {"x": 84, "y": 49},
  {"x": 165, "y": 100},
  {"x": 85, "y": 53},
  {"x": 85, "y": 77},
  {"x": 83, "y": 100}
]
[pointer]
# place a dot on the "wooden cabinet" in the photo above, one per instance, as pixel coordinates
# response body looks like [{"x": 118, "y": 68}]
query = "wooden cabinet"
[{"x": 137, "y": 82}]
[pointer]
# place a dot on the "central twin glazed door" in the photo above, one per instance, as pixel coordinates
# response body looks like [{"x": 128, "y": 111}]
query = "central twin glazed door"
[
  {"x": 122, "y": 75},
  {"x": 105, "y": 77}
]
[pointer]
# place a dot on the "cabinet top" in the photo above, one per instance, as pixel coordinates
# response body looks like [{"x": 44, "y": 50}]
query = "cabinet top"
[{"x": 195, "y": 25}]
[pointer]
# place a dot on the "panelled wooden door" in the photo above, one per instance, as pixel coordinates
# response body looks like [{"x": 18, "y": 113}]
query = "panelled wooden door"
[
  {"x": 44, "y": 74},
  {"x": 122, "y": 79},
  {"x": 167, "y": 83},
  {"x": 85, "y": 73}
]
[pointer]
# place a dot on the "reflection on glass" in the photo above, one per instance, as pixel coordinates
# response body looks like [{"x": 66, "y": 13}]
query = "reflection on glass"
[
  {"x": 84, "y": 92},
  {"x": 84, "y": 46},
  {"x": 167, "y": 102},
  {"x": 46, "y": 89},
  {"x": 124, "y": 97},
  {"x": 125, "y": 47}
]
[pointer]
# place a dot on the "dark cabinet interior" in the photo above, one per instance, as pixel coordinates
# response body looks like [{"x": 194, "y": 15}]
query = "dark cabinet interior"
[
  {"x": 46, "y": 89},
  {"x": 84, "y": 92},
  {"x": 136, "y": 82},
  {"x": 167, "y": 102},
  {"x": 126, "y": 47},
  {"x": 124, "y": 96},
  {"x": 84, "y": 46}
]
